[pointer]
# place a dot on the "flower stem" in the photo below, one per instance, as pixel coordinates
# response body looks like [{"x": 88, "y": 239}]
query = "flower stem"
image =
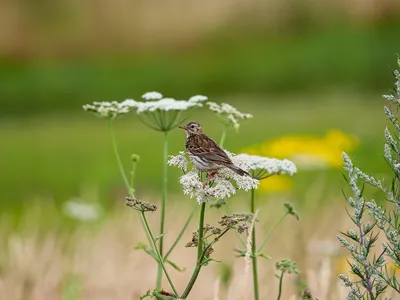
[
  {"x": 199, "y": 262},
  {"x": 181, "y": 232},
  {"x": 280, "y": 286},
  {"x": 163, "y": 205},
  {"x": 223, "y": 137},
  {"x": 133, "y": 171},
  {"x": 270, "y": 232},
  {"x": 253, "y": 249},
  {"x": 159, "y": 256},
  {"x": 121, "y": 167}
]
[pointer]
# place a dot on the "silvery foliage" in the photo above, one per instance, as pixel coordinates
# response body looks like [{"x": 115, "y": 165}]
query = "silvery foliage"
[{"x": 375, "y": 271}]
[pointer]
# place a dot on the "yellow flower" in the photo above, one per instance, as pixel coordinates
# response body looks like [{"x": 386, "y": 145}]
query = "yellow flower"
[
  {"x": 276, "y": 183},
  {"x": 308, "y": 151}
]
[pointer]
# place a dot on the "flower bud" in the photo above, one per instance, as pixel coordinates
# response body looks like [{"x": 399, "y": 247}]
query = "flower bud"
[{"x": 135, "y": 157}]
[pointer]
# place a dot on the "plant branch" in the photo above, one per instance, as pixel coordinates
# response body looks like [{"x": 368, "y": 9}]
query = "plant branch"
[
  {"x": 163, "y": 205},
  {"x": 223, "y": 137},
  {"x": 160, "y": 259},
  {"x": 196, "y": 270},
  {"x": 120, "y": 166},
  {"x": 253, "y": 249},
  {"x": 280, "y": 285},
  {"x": 181, "y": 232},
  {"x": 271, "y": 231}
]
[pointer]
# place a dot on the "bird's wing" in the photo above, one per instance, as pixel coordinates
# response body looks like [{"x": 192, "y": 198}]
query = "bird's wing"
[{"x": 205, "y": 147}]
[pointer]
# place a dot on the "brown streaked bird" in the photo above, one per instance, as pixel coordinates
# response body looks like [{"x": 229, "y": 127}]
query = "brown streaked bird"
[{"x": 205, "y": 154}]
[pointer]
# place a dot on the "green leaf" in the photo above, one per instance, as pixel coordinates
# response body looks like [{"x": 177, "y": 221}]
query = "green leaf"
[
  {"x": 148, "y": 294},
  {"x": 242, "y": 253},
  {"x": 175, "y": 266},
  {"x": 264, "y": 256},
  {"x": 159, "y": 237},
  {"x": 206, "y": 261},
  {"x": 143, "y": 246}
]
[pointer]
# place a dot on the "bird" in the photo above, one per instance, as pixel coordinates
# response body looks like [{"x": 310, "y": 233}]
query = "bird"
[{"x": 205, "y": 154}]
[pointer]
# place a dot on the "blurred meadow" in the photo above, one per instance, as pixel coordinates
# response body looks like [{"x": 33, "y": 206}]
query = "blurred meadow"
[{"x": 311, "y": 73}]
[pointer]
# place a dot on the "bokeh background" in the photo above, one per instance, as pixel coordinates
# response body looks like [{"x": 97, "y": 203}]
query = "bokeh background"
[{"x": 311, "y": 73}]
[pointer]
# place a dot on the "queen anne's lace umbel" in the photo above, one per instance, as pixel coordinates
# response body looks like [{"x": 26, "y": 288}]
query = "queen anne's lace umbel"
[
  {"x": 106, "y": 110},
  {"x": 270, "y": 165},
  {"x": 226, "y": 182},
  {"x": 229, "y": 113},
  {"x": 162, "y": 104}
]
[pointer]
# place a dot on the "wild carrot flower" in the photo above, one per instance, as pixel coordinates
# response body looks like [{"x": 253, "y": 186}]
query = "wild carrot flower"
[
  {"x": 106, "y": 110},
  {"x": 228, "y": 114},
  {"x": 223, "y": 183},
  {"x": 262, "y": 167},
  {"x": 179, "y": 161},
  {"x": 163, "y": 114},
  {"x": 152, "y": 96}
]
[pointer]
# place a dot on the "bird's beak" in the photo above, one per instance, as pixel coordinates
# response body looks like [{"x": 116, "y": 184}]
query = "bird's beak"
[{"x": 182, "y": 127}]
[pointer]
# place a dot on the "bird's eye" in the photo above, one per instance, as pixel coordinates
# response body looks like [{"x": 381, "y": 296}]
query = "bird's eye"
[{"x": 192, "y": 126}]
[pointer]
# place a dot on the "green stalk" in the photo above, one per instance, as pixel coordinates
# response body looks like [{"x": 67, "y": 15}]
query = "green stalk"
[
  {"x": 121, "y": 167},
  {"x": 199, "y": 262},
  {"x": 270, "y": 232},
  {"x": 133, "y": 177},
  {"x": 280, "y": 286},
  {"x": 181, "y": 232},
  {"x": 223, "y": 137},
  {"x": 159, "y": 256},
  {"x": 163, "y": 206},
  {"x": 253, "y": 250}
]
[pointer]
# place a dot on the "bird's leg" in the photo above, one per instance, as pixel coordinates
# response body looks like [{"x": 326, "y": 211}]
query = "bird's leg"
[{"x": 209, "y": 177}]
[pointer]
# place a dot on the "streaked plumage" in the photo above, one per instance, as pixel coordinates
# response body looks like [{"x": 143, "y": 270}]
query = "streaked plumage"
[{"x": 205, "y": 154}]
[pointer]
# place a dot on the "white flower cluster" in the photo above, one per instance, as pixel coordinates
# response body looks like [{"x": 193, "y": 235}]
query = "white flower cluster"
[
  {"x": 198, "y": 98},
  {"x": 154, "y": 102},
  {"x": 229, "y": 113},
  {"x": 179, "y": 161},
  {"x": 222, "y": 187},
  {"x": 159, "y": 103},
  {"x": 270, "y": 165},
  {"x": 193, "y": 186},
  {"x": 106, "y": 110},
  {"x": 81, "y": 211},
  {"x": 152, "y": 96}
]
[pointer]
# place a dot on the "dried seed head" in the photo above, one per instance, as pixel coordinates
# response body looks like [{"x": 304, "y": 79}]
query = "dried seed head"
[
  {"x": 242, "y": 227},
  {"x": 234, "y": 219},
  {"x": 139, "y": 204},
  {"x": 216, "y": 231},
  {"x": 195, "y": 240},
  {"x": 237, "y": 220},
  {"x": 209, "y": 251}
]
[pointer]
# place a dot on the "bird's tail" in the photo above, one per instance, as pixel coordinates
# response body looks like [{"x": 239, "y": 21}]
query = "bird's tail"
[{"x": 238, "y": 170}]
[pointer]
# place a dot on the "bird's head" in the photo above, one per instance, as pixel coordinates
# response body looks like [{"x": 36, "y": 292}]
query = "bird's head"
[{"x": 192, "y": 128}]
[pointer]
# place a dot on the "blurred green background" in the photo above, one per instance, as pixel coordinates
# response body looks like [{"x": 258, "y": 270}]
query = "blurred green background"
[{"x": 299, "y": 66}]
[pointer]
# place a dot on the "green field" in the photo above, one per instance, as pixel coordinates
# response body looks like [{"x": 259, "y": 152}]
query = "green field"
[{"x": 56, "y": 156}]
